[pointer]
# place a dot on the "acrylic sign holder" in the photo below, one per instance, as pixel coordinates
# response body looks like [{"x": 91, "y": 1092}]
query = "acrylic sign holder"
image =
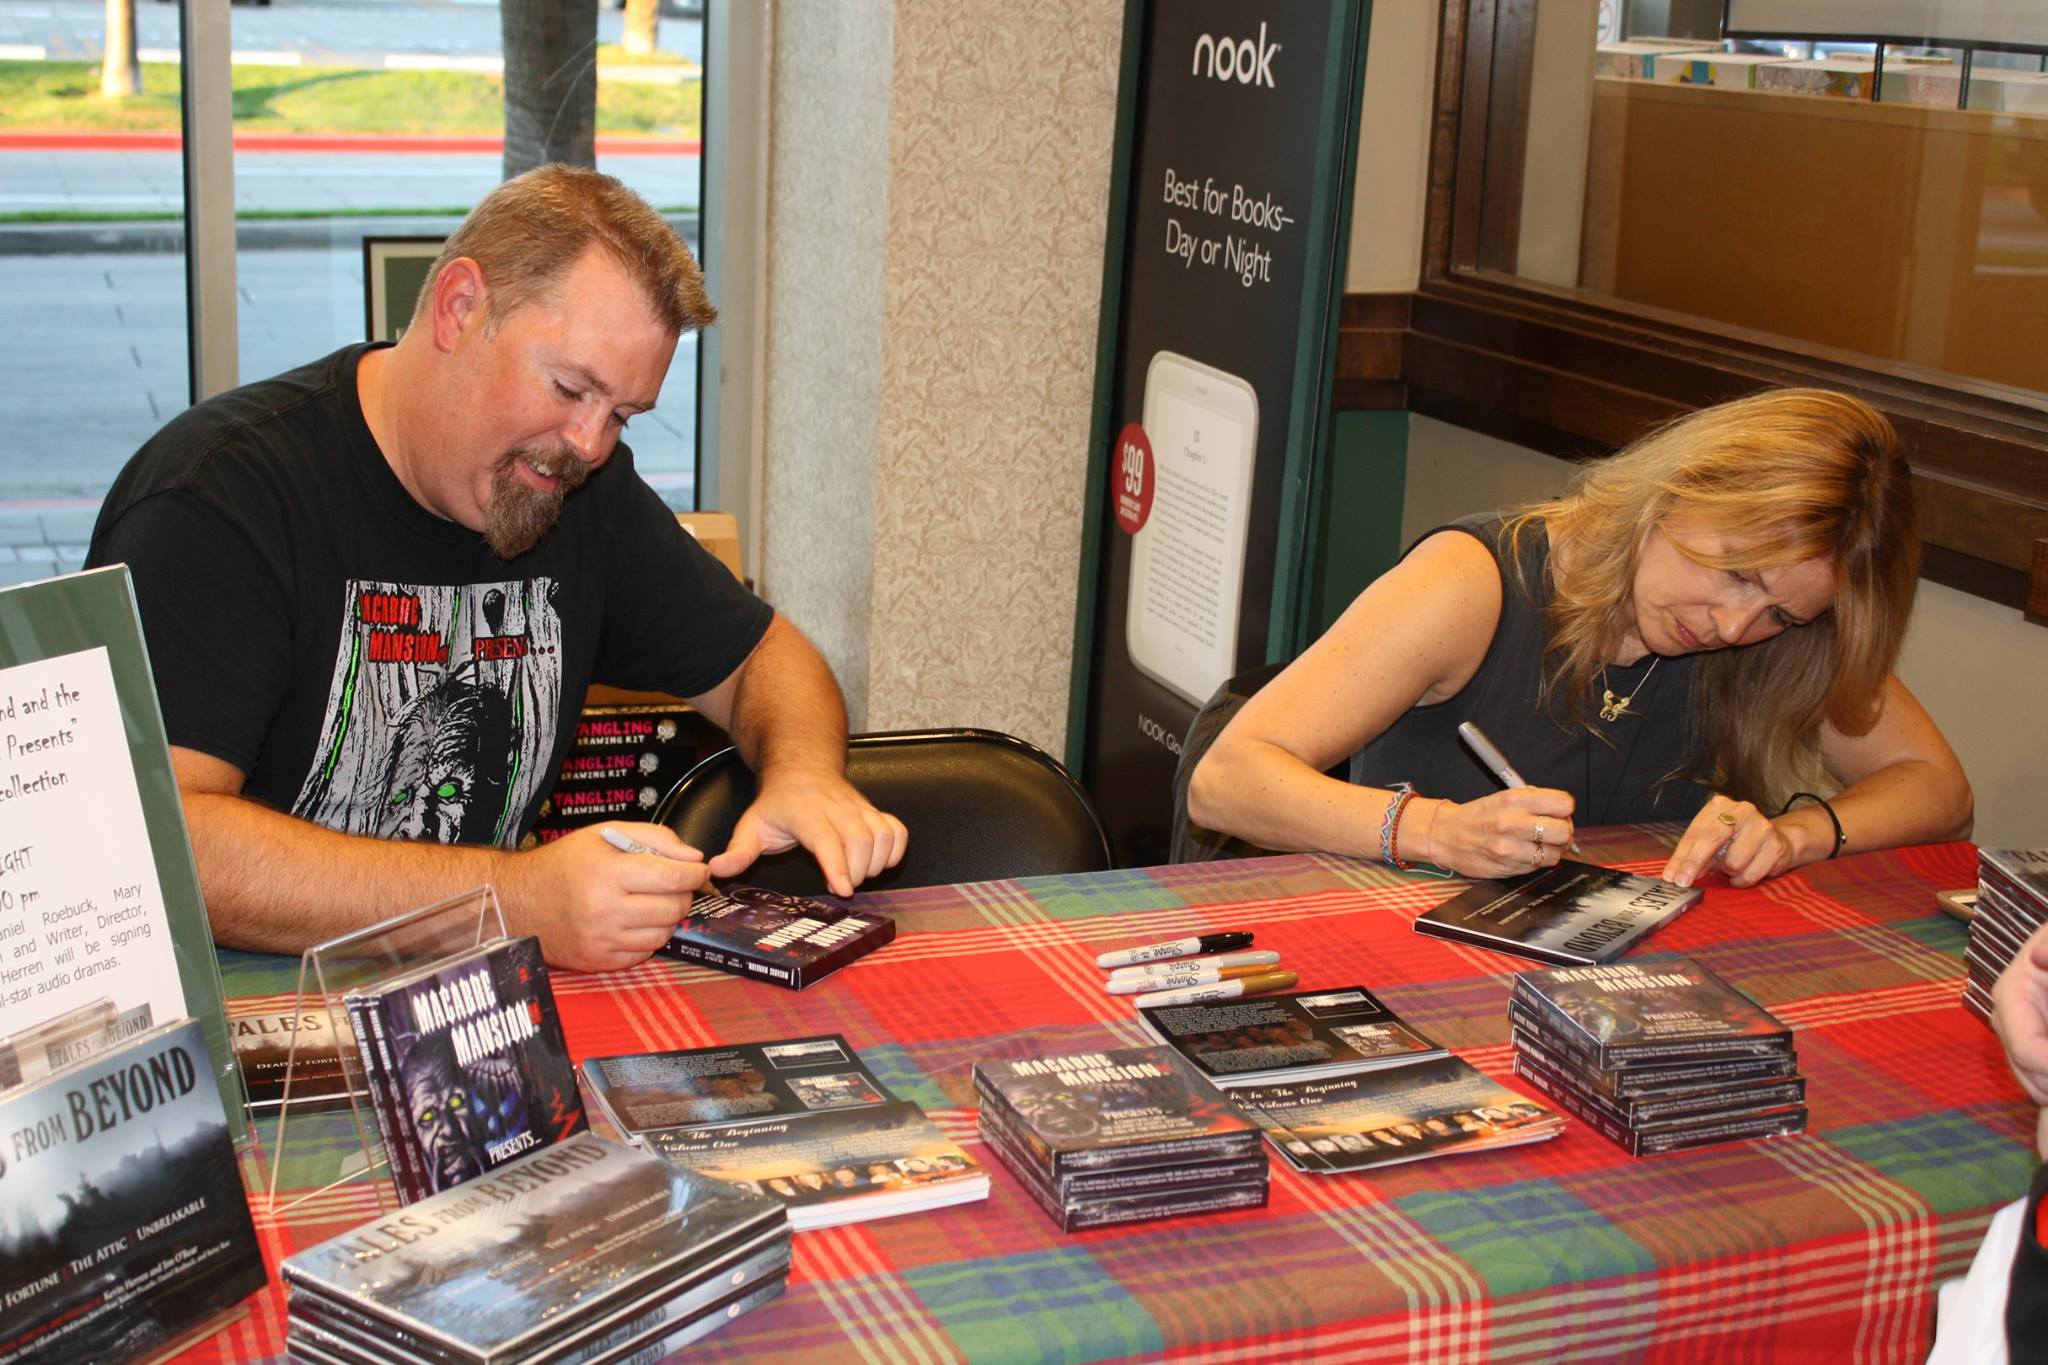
[{"x": 328, "y": 974}]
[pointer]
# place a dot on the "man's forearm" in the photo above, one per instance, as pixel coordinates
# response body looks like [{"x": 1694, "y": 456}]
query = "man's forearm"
[
  {"x": 276, "y": 883},
  {"x": 787, "y": 714}
]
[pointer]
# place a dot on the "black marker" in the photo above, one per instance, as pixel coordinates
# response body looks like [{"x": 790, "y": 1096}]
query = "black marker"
[{"x": 1180, "y": 947}]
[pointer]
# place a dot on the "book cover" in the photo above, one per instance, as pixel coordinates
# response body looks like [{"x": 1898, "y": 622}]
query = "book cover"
[
  {"x": 792, "y": 941},
  {"x": 1570, "y": 914},
  {"x": 264, "y": 1049},
  {"x": 126, "y": 1225},
  {"x": 1383, "y": 1118},
  {"x": 1255, "y": 1039},
  {"x": 1665, "y": 1007},
  {"x": 645, "y": 1091},
  {"x": 478, "y": 1062},
  {"x": 836, "y": 1166},
  {"x": 520, "y": 1257},
  {"x": 1121, "y": 1108}
]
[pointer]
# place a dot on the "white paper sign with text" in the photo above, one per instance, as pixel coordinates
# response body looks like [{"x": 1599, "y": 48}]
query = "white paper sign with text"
[{"x": 81, "y": 910}]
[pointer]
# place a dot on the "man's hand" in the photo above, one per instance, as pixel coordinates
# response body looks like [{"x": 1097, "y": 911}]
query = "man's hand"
[
  {"x": 2019, "y": 1012},
  {"x": 848, "y": 837},
  {"x": 595, "y": 908}
]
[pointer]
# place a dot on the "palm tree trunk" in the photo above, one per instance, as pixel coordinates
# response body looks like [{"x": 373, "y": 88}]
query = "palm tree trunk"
[
  {"x": 643, "y": 27},
  {"x": 550, "y": 82},
  {"x": 120, "y": 74}
]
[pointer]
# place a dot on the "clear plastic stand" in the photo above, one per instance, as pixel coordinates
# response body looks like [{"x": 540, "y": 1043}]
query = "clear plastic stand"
[{"x": 328, "y": 974}]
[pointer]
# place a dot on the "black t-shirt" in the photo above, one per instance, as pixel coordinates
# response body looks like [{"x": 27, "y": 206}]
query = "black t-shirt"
[
  {"x": 368, "y": 665},
  {"x": 1617, "y": 778}
]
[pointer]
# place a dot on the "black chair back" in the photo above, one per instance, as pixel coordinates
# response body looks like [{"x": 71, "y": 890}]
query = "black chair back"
[{"x": 980, "y": 805}]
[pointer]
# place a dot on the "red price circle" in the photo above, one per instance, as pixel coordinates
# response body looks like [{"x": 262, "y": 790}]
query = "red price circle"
[{"x": 1131, "y": 479}]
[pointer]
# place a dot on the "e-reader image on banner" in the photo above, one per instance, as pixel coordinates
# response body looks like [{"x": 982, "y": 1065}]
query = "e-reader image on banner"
[{"x": 1187, "y": 562}]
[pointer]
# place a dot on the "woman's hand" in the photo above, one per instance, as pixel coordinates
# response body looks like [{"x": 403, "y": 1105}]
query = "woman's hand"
[
  {"x": 1503, "y": 835},
  {"x": 1735, "y": 838}
]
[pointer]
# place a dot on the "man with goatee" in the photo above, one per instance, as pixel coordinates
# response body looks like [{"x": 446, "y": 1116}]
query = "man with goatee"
[{"x": 374, "y": 590}]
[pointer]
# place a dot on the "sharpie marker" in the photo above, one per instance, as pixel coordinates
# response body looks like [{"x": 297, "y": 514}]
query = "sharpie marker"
[
  {"x": 1496, "y": 762},
  {"x": 626, "y": 843},
  {"x": 1180, "y": 947},
  {"x": 1257, "y": 957},
  {"x": 1194, "y": 974},
  {"x": 1221, "y": 990}
]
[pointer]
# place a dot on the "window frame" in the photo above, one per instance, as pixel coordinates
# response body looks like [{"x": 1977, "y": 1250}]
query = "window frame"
[{"x": 1579, "y": 376}]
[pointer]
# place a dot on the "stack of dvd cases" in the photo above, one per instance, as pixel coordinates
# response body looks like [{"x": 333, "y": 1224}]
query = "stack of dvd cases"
[
  {"x": 2012, "y": 902},
  {"x": 1659, "y": 1055},
  {"x": 1101, "y": 1139},
  {"x": 584, "y": 1253}
]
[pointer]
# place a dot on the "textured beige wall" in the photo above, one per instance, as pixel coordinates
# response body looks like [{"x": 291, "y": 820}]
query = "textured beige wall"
[
  {"x": 1001, "y": 132},
  {"x": 827, "y": 238},
  {"x": 932, "y": 347}
]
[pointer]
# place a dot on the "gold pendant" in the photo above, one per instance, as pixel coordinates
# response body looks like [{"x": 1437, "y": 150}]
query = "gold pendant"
[{"x": 1612, "y": 708}]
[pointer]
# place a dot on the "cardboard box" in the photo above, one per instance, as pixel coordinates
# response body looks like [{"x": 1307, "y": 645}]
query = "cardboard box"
[
  {"x": 1633, "y": 59},
  {"x": 718, "y": 532},
  {"x": 1728, "y": 69}
]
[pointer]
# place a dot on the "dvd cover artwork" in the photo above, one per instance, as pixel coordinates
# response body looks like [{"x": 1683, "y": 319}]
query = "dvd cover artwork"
[
  {"x": 1122, "y": 1107},
  {"x": 480, "y": 1068},
  {"x": 126, "y": 1224},
  {"x": 1572, "y": 913},
  {"x": 503, "y": 1264},
  {"x": 842, "y": 1156},
  {"x": 1672, "y": 1005}
]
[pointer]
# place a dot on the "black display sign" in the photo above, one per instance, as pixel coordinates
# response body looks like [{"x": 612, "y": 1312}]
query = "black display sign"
[{"x": 1219, "y": 330}]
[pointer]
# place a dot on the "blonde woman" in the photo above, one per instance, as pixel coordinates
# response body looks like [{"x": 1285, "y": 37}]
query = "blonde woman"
[{"x": 1702, "y": 629}]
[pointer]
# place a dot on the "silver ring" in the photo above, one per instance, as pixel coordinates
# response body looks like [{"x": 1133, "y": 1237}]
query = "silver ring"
[{"x": 1539, "y": 831}]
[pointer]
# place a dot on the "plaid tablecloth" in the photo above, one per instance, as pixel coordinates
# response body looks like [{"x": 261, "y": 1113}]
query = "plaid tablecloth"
[{"x": 1823, "y": 1246}]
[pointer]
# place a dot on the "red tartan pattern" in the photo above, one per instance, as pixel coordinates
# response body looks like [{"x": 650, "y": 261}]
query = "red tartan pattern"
[{"x": 1823, "y": 1246}]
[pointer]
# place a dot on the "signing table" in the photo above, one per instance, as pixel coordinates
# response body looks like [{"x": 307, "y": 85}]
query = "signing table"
[{"x": 1822, "y": 1246}]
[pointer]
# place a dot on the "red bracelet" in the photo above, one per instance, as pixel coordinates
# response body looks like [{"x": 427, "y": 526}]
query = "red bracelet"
[{"x": 1390, "y": 825}]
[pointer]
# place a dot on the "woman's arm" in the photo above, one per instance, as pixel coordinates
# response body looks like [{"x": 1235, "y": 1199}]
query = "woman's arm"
[
  {"x": 1418, "y": 634},
  {"x": 1901, "y": 784}
]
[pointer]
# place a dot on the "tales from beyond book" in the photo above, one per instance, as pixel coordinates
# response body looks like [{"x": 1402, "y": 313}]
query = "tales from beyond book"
[
  {"x": 524, "y": 1258},
  {"x": 125, "y": 1226},
  {"x": 1573, "y": 914}
]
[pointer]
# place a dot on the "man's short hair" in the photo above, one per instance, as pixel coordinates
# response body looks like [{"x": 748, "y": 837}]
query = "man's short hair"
[{"x": 528, "y": 231}]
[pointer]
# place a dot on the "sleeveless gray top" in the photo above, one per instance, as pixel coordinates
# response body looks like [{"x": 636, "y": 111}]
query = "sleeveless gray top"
[{"x": 1614, "y": 783}]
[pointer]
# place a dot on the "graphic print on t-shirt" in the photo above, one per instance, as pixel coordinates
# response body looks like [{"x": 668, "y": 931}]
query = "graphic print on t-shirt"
[{"x": 441, "y": 717}]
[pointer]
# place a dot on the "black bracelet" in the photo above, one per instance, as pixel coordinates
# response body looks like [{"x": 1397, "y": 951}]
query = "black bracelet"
[{"x": 1833, "y": 819}]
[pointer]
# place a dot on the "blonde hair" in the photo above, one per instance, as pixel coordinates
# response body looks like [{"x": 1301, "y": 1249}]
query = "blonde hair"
[
  {"x": 525, "y": 233},
  {"x": 1790, "y": 475}
]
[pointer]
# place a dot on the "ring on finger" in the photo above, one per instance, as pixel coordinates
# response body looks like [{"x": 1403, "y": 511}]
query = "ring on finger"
[
  {"x": 1539, "y": 832},
  {"x": 1727, "y": 817}
]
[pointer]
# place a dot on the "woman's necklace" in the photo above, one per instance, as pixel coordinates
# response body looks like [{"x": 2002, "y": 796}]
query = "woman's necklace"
[{"x": 1613, "y": 708}]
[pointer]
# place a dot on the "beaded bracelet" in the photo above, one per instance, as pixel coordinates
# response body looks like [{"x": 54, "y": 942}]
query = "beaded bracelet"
[
  {"x": 1404, "y": 792},
  {"x": 1840, "y": 838}
]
